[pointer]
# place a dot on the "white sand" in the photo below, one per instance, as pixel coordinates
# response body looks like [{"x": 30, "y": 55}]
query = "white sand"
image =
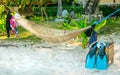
[{"x": 52, "y": 59}]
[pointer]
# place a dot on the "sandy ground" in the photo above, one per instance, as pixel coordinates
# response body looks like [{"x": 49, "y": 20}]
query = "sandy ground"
[{"x": 52, "y": 59}]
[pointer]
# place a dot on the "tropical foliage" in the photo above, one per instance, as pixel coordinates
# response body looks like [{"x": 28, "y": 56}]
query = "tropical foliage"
[
  {"x": 2, "y": 19},
  {"x": 81, "y": 23},
  {"x": 28, "y": 3}
]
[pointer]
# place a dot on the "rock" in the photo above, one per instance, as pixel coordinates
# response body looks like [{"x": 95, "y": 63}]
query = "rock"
[
  {"x": 59, "y": 20},
  {"x": 64, "y": 13},
  {"x": 72, "y": 14}
]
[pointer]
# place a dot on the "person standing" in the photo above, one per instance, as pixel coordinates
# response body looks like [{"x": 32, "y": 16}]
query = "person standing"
[
  {"x": 13, "y": 25},
  {"x": 8, "y": 28}
]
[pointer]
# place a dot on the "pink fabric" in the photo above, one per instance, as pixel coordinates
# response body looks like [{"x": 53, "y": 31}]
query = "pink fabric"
[{"x": 13, "y": 23}]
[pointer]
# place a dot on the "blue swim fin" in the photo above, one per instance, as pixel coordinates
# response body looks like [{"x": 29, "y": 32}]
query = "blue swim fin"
[
  {"x": 101, "y": 61},
  {"x": 91, "y": 58}
]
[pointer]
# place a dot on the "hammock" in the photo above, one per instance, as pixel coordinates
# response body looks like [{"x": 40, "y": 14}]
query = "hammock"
[
  {"x": 49, "y": 34},
  {"x": 44, "y": 33}
]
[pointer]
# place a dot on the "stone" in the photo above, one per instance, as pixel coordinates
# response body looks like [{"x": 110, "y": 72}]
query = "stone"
[
  {"x": 72, "y": 14},
  {"x": 64, "y": 13}
]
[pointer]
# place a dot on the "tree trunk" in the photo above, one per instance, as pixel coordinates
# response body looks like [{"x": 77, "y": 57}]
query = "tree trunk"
[
  {"x": 114, "y": 1},
  {"x": 84, "y": 3},
  {"x": 59, "y": 13}
]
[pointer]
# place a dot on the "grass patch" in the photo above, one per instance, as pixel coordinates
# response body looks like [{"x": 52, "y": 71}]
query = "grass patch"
[
  {"x": 112, "y": 27},
  {"x": 25, "y": 35}
]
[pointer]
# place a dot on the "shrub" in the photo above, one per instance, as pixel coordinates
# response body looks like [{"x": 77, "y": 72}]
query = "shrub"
[
  {"x": 52, "y": 11},
  {"x": 2, "y": 19},
  {"x": 108, "y": 9}
]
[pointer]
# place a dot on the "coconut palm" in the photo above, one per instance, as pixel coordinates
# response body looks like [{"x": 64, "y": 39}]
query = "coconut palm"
[{"x": 28, "y": 3}]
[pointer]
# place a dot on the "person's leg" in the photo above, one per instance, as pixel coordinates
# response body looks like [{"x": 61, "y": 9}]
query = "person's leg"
[
  {"x": 8, "y": 32},
  {"x": 12, "y": 30},
  {"x": 8, "y": 28},
  {"x": 16, "y": 30}
]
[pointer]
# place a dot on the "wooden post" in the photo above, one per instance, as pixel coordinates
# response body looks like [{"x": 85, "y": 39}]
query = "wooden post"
[{"x": 44, "y": 13}]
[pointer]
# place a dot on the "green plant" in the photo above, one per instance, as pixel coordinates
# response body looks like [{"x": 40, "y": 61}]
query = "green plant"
[
  {"x": 81, "y": 23},
  {"x": 100, "y": 25},
  {"x": 107, "y": 9},
  {"x": 77, "y": 25},
  {"x": 50, "y": 12},
  {"x": 2, "y": 19}
]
